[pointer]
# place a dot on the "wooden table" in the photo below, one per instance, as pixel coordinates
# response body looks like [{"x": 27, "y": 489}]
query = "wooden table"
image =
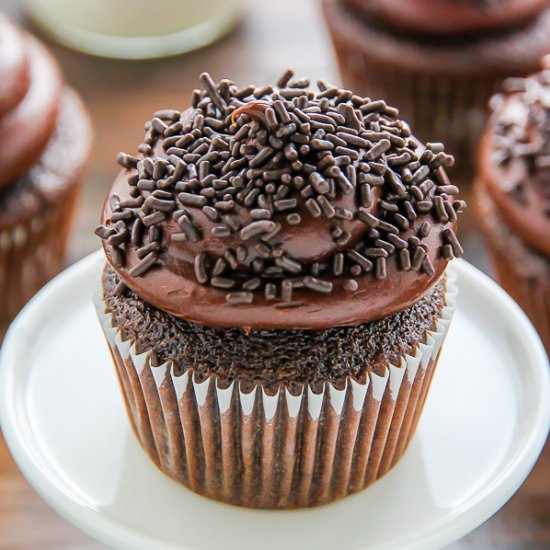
[{"x": 121, "y": 95}]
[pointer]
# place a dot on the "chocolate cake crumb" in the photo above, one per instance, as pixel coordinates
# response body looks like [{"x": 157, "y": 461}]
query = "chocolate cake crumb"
[{"x": 272, "y": 357}]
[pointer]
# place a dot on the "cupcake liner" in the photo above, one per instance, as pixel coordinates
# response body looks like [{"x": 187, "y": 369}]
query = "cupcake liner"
[
  {"x": 530, "y": 291},
  {"x": 521, "y": 271},
  {"x": 31, "y": 253},
  {"x": 450, "y": 109},
  {"x": 254, "y": 449}
]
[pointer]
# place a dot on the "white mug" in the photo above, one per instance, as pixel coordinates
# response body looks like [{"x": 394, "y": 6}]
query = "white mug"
[{"x": 135, "y": 29}]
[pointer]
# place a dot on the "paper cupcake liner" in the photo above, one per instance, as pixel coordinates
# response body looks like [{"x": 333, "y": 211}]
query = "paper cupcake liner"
[
  {"x": 521, "y": 271},
  {"x": 532, "y": 293},
  {"x": 450, "y": 109},
  {"x": 31, "y": 253},
  {"x": 254, "y": 449}
]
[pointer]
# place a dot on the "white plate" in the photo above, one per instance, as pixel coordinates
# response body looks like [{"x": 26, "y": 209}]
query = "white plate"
[{"x": 485, "y": 422}]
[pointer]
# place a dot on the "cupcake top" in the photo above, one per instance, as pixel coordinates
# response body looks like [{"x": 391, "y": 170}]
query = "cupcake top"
[
  {"x": 450, "y": 16},
  {"x": 31, "y": 88},
  {"x": 515, "y": 158},
  {"x": 281, "y": 207}
]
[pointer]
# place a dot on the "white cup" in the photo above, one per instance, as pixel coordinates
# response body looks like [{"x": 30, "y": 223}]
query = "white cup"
[{"x": 135, "y": 29}]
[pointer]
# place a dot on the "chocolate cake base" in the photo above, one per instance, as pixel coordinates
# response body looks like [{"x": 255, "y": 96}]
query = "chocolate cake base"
[
  {"x": 37, "y": 209},
  {"x": 285, "y": 443},
  {"x": 523, "y": 272},
  {"x": 273, "y": 357},
  {"x": 442, "y": 85}
]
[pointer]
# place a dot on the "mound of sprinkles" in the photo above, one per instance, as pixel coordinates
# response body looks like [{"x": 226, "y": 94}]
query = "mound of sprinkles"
[
  {"x": 258, "y": 163},
  {"x": 523, "y": 135}
]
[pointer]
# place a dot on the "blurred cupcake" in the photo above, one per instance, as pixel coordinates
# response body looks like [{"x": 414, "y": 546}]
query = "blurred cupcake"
[
  {"x": 439, "y": 61},
  {"x": 275, "y": 296},
  {"x": 513, "y": 194},
  {"x": 45, "y": 138}
]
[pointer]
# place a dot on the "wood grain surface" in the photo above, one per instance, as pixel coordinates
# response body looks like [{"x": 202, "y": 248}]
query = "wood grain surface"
[{"x": 123, "y": 94}]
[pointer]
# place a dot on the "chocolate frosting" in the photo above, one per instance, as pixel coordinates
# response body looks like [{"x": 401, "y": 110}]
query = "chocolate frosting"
[
  {"x": 515, "y": 159},
  {"x": 14, "y": 67},
  {"x": 59, "y": 169},
  {"x": 517, "y": 51},
  {"x": 31, "y": 87},
  {"x": 370, "y": 283},
  {"x": 451, "y": 16}
]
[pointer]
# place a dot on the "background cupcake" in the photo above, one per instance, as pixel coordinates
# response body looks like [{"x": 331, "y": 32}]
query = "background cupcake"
[
  {"x": 439, "y": 61},
  {"x": 513, "y": 195},
  {"x": 275, "y": 297},
  {"x": 45, "y": 139}
]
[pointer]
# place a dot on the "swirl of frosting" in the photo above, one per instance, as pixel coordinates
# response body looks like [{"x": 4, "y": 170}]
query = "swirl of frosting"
[
  {"x": 31, "y": 88},
  {"x": 451, "y": 16},
  {"x": 515, "y": 158},
  {"x": 281, "y": 207}
]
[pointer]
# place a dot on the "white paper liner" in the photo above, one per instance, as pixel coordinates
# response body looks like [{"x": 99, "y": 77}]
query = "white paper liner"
[
  {"x": 31, "y": 253},
  {"x": 275, "y": 451}
]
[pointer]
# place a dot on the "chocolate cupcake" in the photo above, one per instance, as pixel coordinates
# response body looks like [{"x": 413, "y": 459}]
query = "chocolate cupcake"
[
  {"x": 45, "y": 139},
  {"x": 513, "y": 194},
  {"x": 439, "y": 61},
  {"x": 275, "y": 296}
]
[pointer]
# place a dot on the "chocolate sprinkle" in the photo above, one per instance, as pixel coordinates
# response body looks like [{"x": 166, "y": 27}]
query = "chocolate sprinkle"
[
  {"x": 523, "y": 136},
  {"x": 255, "y": 161}
]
